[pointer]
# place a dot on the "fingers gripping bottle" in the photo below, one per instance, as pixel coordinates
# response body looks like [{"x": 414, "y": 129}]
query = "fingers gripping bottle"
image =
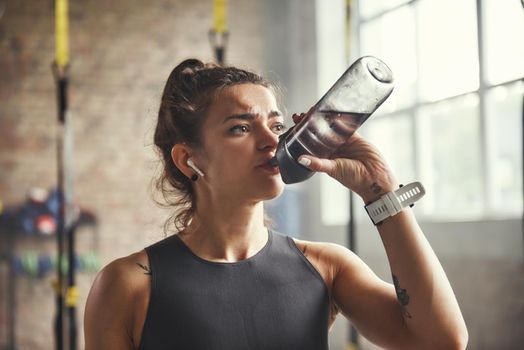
[{"x": 334, "y": 118}]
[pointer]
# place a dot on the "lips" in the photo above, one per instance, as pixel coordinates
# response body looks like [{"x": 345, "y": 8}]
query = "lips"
[
  {"x": 267, "y": 161},
  {"x": 268, "y": 166}
]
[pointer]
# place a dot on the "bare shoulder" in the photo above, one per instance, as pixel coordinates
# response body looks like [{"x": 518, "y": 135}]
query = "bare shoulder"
[
  {"x": 124, "y": 276},
  {"x": 329, "y": 258},
  {"x": 329, "y": 253},
  {"x": 117, "y": 303},
  {"x": 333, "y": 261}
]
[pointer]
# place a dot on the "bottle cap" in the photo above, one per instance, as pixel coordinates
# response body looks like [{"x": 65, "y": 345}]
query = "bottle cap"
[
  {"x": 379, "y": 70},
  {"x": 290, "y": 170}
]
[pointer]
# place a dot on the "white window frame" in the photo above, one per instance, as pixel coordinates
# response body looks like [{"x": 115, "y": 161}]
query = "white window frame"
[{"x": 485, "y": 137}]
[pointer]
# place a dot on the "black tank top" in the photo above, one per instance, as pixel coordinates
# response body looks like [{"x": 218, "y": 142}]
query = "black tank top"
[{"x": 273, "y": 300}]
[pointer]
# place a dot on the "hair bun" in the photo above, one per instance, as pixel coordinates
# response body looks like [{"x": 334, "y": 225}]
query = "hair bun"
[{"x": 189, "y": 66}]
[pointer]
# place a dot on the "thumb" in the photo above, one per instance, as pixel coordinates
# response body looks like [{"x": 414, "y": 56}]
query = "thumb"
[
  {"x": 318, "y": 164},
  {"x": 333, "y": 167},
  {"x": 344, "y": 170}
]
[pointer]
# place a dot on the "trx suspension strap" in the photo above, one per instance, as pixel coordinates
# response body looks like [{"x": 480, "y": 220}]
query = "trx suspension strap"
[
  {"x": 353, "y": 335},
  {"x": 65, "y": 227},
  {"x": 218, "y": 35}
]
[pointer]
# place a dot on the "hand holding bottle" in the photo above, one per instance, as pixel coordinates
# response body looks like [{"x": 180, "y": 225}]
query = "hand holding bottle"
[
  {"x": 356, "y": 164},
  {"x": 361, "y": 89}
]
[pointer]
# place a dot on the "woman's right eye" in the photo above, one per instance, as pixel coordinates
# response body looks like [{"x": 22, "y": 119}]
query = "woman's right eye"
[{"x": 239, "y": 129}]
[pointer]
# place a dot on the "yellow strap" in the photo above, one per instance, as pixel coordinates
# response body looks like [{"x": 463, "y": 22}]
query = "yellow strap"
[
  {"x": 348, "y": 30},
  {"x": 71, "y": 298},
  {"x": 219, "y": 16},
  {"x": 61, "y": 33},
  {"x": 351, "y": 346}
]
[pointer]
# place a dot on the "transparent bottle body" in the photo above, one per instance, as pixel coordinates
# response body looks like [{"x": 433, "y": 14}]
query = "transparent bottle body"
[
  {"x": 323, "y": 133},
  {"x": 363, "y": 87}
]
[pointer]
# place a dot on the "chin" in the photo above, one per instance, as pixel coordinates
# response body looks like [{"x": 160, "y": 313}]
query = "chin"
[
  {"x": 275, "y": 190},
  {"x": 264, "y": 191}
]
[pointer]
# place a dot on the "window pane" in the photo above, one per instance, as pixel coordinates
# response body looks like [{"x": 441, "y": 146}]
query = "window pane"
[
  {"x": 334, "y": 201},
  {"x": 393, "y": 136},
  {"x": 504, "y": 38},
  {"x": 451, "y": 158},
  {"x": 447, "y": 48},
  {"x": 392, "y": 39},
  {"x": 504, "y": 113},
  {"x": 368, "y": 8}
]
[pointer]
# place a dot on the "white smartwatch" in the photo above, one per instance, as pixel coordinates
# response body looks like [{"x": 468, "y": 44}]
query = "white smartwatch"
[{"x": 392, "y": 203}]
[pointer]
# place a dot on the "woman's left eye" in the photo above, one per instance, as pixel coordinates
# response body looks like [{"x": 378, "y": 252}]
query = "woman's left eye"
[{"x": 278, "y": 128}]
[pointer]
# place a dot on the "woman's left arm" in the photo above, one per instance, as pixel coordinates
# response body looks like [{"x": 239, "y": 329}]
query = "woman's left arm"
[{"x": 430, "y": 315}]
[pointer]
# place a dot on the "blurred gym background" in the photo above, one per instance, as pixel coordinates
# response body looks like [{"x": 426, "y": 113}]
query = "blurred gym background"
[{"x": 454, "y": 122}]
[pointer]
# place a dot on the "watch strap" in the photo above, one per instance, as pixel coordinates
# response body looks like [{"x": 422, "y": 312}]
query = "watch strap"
[{"x": 392, "y": 203}]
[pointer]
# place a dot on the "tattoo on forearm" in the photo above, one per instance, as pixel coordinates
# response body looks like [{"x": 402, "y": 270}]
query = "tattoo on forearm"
[
  {"x": 145, "y": 268},
  {"x": 376, "y": 188},
  {"x": 402, "y": 297}
]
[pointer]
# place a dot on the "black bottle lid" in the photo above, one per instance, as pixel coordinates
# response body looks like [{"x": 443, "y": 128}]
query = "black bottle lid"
[{"x": 290, "y": 170}]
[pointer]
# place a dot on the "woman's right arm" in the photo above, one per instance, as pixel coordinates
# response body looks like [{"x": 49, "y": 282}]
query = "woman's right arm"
[{"x": 110, "y": 314}]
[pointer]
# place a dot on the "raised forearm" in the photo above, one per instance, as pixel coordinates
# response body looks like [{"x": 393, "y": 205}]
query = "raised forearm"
[
  {"x": 432, "y": 316},
  {"x": 425, "y": 296}
]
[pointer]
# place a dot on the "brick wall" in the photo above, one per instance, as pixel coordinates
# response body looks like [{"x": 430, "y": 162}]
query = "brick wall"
[{"x": 121, "y": 53}]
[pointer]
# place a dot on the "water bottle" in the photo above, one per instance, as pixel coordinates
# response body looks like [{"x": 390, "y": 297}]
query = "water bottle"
[{"x": 363, "y": 87}]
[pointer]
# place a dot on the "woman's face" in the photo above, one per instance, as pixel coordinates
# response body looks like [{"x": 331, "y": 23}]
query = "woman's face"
[{"x": 240, "y": 136}]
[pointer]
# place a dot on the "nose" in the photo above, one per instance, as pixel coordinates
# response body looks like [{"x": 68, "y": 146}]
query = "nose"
[{"x": 267, "y": 139}]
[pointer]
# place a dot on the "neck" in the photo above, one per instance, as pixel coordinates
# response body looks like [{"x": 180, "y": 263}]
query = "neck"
[{"x": 226, "y": 233}]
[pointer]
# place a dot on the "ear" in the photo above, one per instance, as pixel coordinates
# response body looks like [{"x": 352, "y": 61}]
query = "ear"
[{"x": 180, "y": 153}]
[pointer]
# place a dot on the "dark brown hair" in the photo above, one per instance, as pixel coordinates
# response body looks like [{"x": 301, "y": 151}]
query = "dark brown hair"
[{"x": 188, "y": 93}]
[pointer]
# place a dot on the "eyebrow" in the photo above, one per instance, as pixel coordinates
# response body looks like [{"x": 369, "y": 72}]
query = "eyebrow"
[{"x": 251, "y": 116}]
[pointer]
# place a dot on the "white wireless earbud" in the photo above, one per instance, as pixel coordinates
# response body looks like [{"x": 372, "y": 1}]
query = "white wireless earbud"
[{"x": 194, "y": 167}]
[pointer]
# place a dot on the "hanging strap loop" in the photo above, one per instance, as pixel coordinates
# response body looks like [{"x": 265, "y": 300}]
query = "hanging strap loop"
[
  {"x": 218, "y": 43},
  {"x": 218, "y": 35}
]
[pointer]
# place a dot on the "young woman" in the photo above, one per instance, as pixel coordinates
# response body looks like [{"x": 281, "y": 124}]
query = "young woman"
[{"x": 226, "y": 281}]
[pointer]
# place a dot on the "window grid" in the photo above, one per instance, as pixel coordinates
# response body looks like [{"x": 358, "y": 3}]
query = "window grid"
[{"x": 483, "y": 88}]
